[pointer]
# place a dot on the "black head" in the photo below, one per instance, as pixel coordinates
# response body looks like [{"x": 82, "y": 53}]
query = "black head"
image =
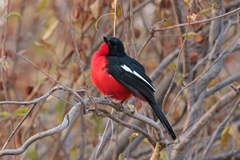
[{"x": 115, "y": 46}]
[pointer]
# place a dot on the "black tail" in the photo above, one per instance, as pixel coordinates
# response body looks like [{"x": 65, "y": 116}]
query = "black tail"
[{"x": 163, "y": 119}]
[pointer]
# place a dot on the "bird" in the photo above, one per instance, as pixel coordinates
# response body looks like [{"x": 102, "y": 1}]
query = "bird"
[{"x": 116, "y": 74}]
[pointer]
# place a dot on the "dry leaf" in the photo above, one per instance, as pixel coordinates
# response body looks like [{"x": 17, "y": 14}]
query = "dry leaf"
[
  {"x": 95, "y": 8},
  {"x": 113, "y": 4},
  {"x": 75, "y": 13},
  {"x": 137, "y": 33},
  {"x": 50, "y": 31},
  {"x": 12, "y": 77},
  {"x": 192, "y": 17},
  {"x": 227, "y": 1},
  {"x": 189, "y": 2},
  {"x": 224, "y": 136},
  {"x": 200, "y": 38},
  {"x": 28, "y": 89},
  {"x": 193, "y": 56},
  {"x": 233, "y": 131},
  {"x": 205, "y": 11},
  {"x": 155, "y": 155}
]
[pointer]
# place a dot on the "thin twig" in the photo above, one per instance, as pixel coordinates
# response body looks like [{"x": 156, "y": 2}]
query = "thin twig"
[
  {"x": 219, "y": 128},
  {"x": 203, "y": 121},
  {"x": 125, "y": 29},
  {"x": 17, "y": 127},
  {"x": 4, "y": 77},
  {"x": 132, "y": 29},
  {"x": 197, "y": 22},
  {"x": 223, "y": 156},
  {"x": 68, "y": 119},
  {"x": 174, "y": 101},
  {"x": 175, "y": 73},
  {"x": 75, "y": 43},
  {"x": 150, "y": 35},
  {"x": 115, "y": 18},
  {"x": 222, "y": 84}
]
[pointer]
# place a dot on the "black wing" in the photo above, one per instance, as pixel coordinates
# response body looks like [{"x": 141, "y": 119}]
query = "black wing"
[{"x": 131, "y": 74}]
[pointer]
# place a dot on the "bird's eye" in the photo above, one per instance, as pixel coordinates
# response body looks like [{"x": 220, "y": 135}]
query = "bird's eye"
[{"x": 115, "y": 47}]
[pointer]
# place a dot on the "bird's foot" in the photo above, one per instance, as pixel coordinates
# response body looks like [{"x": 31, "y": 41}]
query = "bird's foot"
[{"x": 108, "y": 96}]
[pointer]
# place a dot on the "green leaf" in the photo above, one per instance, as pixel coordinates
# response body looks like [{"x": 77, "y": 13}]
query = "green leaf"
[
  {"x": 205, "y": 11},
  {"x": 145, "y": 140},
  {"x": 16, "y": 14},
  {"x": 189, "y": 3},
  {"x": 59, "y": 110},
  {"x": 131, "y": 107},
  {"x": 156, "y": 153},
  {"x": 21, "y": 111},
  {"x": 134, "y": 135},
  {"x": 164, "y": 155},
  {"x": 224, "y": 135},
  {"x": 120, "y": 156},
  {"x": 5, "y": 65},
  {"x": 5, "y": 114},
  {"x": 42, "y": 5},
  {"x": 171, "y": 66},
  {"x": 190, "y": 35},
  {"x": 31, "y": 152}
]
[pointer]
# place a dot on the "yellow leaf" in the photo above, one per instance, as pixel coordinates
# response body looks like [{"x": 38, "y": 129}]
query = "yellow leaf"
[
  {"x": 5, "y": 65},
  {"x": 113, "y": 4},
  {"x": 42, "y": 5},
  {"x": 42, "y": 43},
  {"x": 163, "y": 155},
  {"x": 21, "y": 111},
  {"x": 5, "y": 114},
  {"x": 190, "y": 35},
  {"x": 214, "y": 6},
  {"x": 16, "y": 14},
  {"x": 189, "y": 3},
  {"x": 94, "y": 8},
  {"x": 134, "y": 135},
  {"x": 131, "y": 107},
  {"x": 120, "y": 156},
  {"x": 205, "y": 11},
  {"x": 233, "y": 131},
  {"x": 155, "y": 155},
  {"x": 50, "y": 31},
  {"x": 224, "y": 136},
  {"x": 145, "y": 140},
  {"x": 171, "y": 66}
]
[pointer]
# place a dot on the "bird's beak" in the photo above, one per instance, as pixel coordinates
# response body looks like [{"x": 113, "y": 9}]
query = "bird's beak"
[{"x": 106, "y": 39}]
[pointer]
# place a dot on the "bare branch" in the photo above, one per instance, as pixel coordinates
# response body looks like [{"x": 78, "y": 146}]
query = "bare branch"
[
  {"x": 188, "y": 136},
  {"x": 17, "y": 127},
  {"x": 67, "y": 119},
  {"x": 223, "y": 156},
  {"x": 219, "y": 128},
  {"x": 162, "y": 66},
  {"x": 202, "y": 21},
  {"x": 222, "y": 84}
]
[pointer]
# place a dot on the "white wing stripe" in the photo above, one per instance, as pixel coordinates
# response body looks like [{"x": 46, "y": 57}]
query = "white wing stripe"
[{"x": 126, "y": 68}]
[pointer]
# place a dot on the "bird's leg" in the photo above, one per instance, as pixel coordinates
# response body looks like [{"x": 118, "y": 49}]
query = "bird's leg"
[
  {"x": 122, "y": 101},
  {"x": 97, "y": 110},
  {"x": 120, "y": 104},
  {"x": 108, "y": 96}
]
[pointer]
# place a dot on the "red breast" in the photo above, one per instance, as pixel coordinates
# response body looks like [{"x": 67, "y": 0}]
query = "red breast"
[{"x": 104, "y": 82}]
